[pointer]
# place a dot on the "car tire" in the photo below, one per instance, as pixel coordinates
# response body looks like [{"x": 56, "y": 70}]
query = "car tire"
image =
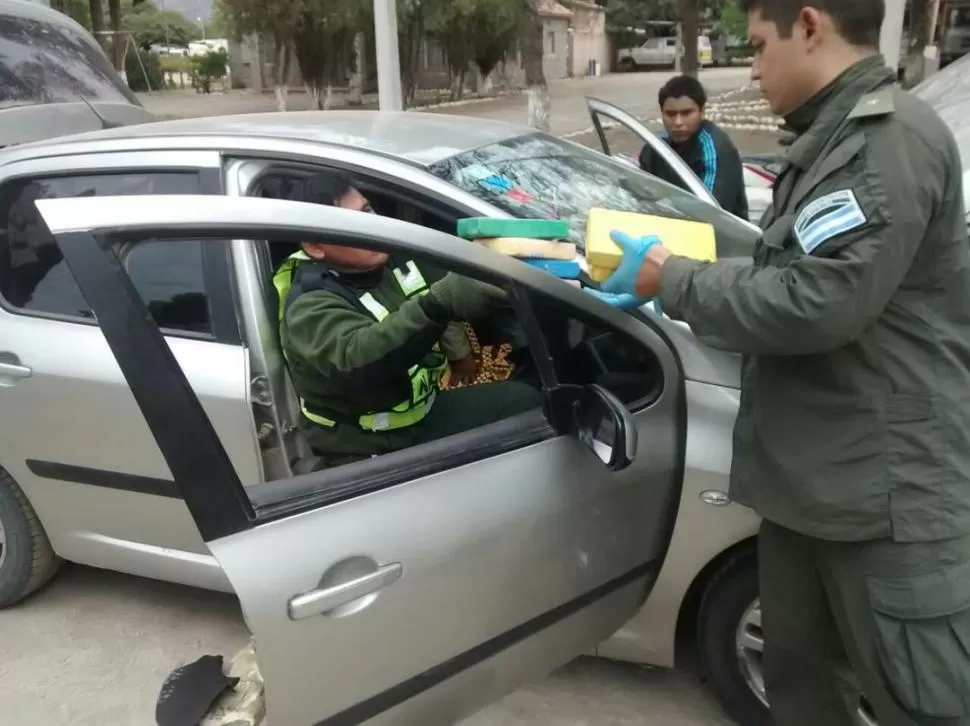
[
  {"x": 27, "y": 560},
  {"x": 628, "y": 65},
  {"x": 728, "y": 600}
]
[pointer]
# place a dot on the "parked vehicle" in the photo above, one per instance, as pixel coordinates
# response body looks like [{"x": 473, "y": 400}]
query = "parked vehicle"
[{"x": 661, "y": 51}]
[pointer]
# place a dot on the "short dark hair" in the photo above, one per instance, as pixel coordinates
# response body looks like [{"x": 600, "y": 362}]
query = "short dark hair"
[
  {"x": 859, "y": 21},
  {"x": 681, "y": 86},
  {"x": 327, "y": 188}
]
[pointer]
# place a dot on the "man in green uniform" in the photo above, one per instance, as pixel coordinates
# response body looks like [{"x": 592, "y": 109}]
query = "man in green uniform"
[
  {"x": 363, "y": 338},
  {"x": 853, "y": 435}
]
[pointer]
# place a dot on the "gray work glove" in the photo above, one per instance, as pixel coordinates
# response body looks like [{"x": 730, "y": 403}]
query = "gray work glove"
[{"x": 464, "y": 298}]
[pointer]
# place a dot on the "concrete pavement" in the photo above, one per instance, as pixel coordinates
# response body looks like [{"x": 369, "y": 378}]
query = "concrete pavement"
[
  {"x": 94, "y": 647},
  {"x": 635, "y": 92}
]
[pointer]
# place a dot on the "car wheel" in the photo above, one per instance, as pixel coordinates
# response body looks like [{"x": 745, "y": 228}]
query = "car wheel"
[
  {"x": 627, "y": 65},
  {"x": 27, "y": 560},
  {"x": 731, "y": 643}
]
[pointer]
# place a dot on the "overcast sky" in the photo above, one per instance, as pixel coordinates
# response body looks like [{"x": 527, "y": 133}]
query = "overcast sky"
[{"x": 191, "y": 9}]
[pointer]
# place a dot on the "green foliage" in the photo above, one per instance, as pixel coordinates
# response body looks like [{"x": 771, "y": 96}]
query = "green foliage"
[
  {"x": 211, "y": 66},
  {"x": 733, "y": 21},
  {"x": 323, "y": 39},
  {"x": 152, "y": 26},
  {"x": 144, "y": 71}
]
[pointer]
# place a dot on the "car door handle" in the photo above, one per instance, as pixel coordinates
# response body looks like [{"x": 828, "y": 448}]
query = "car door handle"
[
  {"x": 325, "y": 599},
  {"x": 14, "y": 371}
]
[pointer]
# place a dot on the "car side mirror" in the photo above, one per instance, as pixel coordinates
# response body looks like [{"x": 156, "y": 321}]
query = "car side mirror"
[{"x": 606, "y": 426}]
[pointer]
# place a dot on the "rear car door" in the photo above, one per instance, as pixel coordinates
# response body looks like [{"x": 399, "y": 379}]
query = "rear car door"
[
  {"x": 70, "y": 432},
  {"x": 415, "y": 587},
  {"x": 605, "y": 114}
]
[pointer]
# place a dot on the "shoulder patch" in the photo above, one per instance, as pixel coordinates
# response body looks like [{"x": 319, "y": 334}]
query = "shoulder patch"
[{"x": 828, "y": 217}]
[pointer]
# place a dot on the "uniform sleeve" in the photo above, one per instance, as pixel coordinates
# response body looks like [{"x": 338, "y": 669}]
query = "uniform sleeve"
[
  {"x": 323, "y": 328},
  {"x": 853, "y": 259}
]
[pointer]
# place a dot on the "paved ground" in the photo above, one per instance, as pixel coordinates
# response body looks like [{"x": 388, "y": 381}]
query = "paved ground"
[
  {"x": 93, "y": 648},
  {"x": 636, "y": 92}
]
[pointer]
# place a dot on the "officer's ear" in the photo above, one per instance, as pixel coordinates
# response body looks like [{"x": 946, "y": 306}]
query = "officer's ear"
[
  {"x": 314, "y": 249},
  {"x": 810, "y": 25}
]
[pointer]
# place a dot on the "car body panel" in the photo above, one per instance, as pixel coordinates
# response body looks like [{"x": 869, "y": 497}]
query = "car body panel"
[
  {"x": 583, "y": 545},
  {"x": 79, "y": 422}
]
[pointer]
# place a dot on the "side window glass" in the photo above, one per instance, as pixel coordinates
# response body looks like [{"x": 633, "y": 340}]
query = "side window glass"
[
  {"x": 35, "y": 279},
  {"x": 585, "y": 352}
]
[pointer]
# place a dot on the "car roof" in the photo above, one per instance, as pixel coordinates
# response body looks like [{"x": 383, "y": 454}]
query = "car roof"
[{"x": 417, "y": 137}]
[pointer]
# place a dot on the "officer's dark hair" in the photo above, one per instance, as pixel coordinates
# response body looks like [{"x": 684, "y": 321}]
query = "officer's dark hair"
[
  {"x": 858, "y": 21},
  {"x": 327, "y": 188},
  {"x": 681, "y": 86}
]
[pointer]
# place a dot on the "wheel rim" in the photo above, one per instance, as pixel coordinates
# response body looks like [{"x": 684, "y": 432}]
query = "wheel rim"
[{"x": 750, "y": 648}]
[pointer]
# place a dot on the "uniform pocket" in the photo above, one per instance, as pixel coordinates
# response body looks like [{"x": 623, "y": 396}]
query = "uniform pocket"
[{"x": 922, "y": 627}]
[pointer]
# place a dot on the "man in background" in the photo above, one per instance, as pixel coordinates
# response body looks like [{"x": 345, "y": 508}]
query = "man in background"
[{"x": 705, "y": 148}]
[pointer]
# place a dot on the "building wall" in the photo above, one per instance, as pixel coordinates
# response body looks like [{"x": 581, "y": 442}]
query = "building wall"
[
  {"x": 555, "y": 58},
  {"x": 589, "y": 40}
]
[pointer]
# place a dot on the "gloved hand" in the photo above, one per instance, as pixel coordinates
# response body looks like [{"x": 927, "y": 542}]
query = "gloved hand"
[
  {"x": 465, "y": 298},
  {"x": 620, "y": 288}
]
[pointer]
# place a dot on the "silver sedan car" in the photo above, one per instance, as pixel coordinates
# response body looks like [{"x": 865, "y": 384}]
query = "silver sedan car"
[{"x": 148, "y": 422}]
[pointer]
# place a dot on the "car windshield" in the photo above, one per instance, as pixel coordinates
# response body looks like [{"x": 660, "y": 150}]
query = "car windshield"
[
  {"x": 45, "y": 62},
  {"x": 541, "y": 177}
]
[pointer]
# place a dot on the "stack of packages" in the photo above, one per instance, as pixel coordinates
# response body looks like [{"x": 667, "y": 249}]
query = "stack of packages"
[{"x": 536, "y": 242}]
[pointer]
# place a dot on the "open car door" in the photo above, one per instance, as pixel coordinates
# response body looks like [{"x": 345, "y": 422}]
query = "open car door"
[
  {"x": 413, "y": 588},
  {"x": 605, "y": 115}
]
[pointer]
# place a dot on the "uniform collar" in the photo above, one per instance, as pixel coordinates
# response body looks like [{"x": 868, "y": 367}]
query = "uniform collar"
[{"x": 863, "y": 89}]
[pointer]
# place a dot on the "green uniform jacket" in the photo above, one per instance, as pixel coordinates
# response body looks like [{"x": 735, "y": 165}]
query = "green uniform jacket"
[
  {"x": 854, "y": 320},
  {"x": 346, "y": 364}
]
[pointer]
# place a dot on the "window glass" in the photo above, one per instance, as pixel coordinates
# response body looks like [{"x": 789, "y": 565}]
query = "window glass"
[
  {"x": 46, "y": 62},
  {"x": 540, "y": 176},
  {"x": 586, "y": 352},
  {"x": 35, "y": 278}
]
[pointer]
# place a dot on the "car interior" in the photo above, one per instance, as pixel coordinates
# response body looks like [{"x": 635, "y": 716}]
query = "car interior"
[{"x": 582, "y": 351}]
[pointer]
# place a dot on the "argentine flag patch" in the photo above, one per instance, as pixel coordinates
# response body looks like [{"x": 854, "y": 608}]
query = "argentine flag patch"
[{"x": 828, "y": 217}]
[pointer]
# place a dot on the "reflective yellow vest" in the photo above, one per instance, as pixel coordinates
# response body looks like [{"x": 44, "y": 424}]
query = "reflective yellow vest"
[{"x": 425, "y": 380}]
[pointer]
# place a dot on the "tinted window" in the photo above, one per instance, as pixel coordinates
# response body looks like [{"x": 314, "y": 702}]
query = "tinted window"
[
  {"x": 50, "y": 62},
  {"x": 35, "y": 278},
  {"x": 539, "y": 176}
]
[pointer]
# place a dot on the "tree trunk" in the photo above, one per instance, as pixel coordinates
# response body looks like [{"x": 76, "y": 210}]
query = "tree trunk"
[
  {"x": 328, "y": 98},
  {"x": 281, "y": 73},
  {"x": 117, "y": 40},
  {"x": 356, "y": 97},
  {"x": 97, "y": 24},
  {"x": 690, "y": 20},
  {"x": 313, "y": 93},
  {"x": 537, "y": 90},
  {"x": 261, "y": 58}
]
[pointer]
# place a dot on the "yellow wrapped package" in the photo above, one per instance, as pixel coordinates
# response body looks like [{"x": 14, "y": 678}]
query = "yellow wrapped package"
[{"x": 682, "y": 237}]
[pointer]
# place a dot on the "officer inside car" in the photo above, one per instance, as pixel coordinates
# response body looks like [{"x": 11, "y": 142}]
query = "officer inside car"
[{"x": 853, "y": 435}]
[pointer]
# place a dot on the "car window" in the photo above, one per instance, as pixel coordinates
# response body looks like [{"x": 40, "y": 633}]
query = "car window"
[
  {"x": 46, "y": 62},
  {"x": 539, "y": 176},
  {"x": 35, "y": 279}
]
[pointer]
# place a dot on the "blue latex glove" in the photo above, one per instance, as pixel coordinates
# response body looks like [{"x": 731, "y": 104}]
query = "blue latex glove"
[
  {"x": 624, "y": 278},
  {"x": 620, "y": 288}
]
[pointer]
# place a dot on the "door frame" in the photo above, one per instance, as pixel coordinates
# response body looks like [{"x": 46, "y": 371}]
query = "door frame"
[
  {"x": 85, "y": 230},
  {"x": 598, "y": 107}
]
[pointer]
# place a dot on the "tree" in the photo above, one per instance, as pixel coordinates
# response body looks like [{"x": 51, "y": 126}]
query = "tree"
[
  {"x": 275, "y": 18},
  {"x": 690, "y": 27},
  {"x": 150, "y": 26},
  {"x": 323, "y": 42},
  {"x": 537, "y": 89},
  {"x": 412, "y": 24},
  {"x": 475, "y": 31}
]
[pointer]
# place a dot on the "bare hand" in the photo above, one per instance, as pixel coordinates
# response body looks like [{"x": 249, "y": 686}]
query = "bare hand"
[
  {"x": 464, "y": 371},
  {"x": 648, "y": 278}
]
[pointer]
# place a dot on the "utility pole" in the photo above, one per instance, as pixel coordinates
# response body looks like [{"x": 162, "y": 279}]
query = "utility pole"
[
  {"x": 891, "y": 37},
  {"x": 388, "y": 61}
]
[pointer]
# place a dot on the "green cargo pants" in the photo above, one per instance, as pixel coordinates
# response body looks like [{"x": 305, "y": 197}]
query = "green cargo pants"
[{"x": 889, "y": 618}]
